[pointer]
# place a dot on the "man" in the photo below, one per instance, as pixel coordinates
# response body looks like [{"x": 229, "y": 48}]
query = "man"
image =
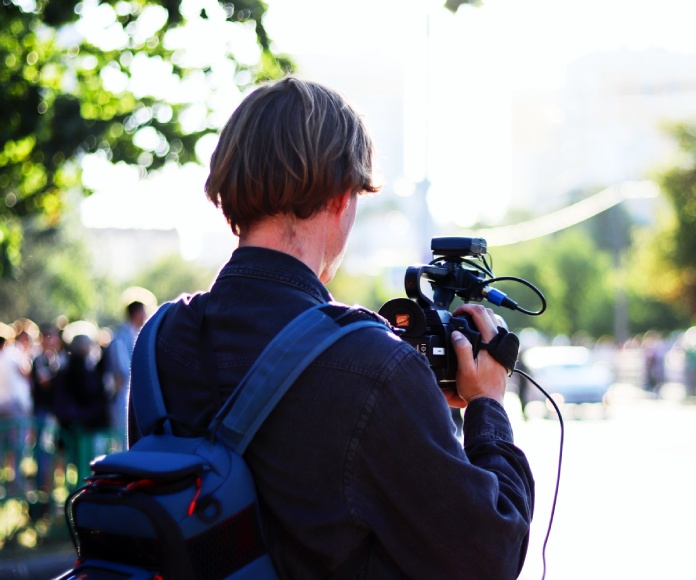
[
  {"x": 46, "y": 367},
  {"x": 15, "y": 370},
  {"x": 47, "y": 371},
  {"x": 120, "y": 353},
  {"x": 15, "y": 402},
  {"x": 359, "y": 462}
]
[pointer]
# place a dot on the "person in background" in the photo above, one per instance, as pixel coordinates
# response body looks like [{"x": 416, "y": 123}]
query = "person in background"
[
  {"x": 48, "y": 368},
  {"x": 689, "y": 346},
  {"x": 15, "y": 405},
  {"x": 81, "y": 402},
  {"x": 120, "y": 352},
  {"x": 654, "y": 352},
  {"x": 15, "y": 370}
]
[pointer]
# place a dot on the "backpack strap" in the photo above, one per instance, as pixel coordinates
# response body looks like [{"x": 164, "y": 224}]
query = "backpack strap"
[
  {"x": 148, "y": 404},
  {"x": 279, "y": 365}
]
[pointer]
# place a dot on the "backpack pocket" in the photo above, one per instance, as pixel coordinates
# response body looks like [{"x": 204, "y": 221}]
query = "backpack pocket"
[{"x": 176, "y": 507}]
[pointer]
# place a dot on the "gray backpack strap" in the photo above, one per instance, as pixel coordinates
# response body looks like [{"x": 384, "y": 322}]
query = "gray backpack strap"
[{"x": 274, "y": 372}]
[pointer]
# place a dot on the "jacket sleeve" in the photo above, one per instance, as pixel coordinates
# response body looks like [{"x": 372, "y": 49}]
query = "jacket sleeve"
[
  {"x": 488, "y": 442},
  {"x": 439, "y": 510}
]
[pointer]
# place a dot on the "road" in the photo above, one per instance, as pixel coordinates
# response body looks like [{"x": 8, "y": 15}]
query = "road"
[{"x": 627, "y": 498}]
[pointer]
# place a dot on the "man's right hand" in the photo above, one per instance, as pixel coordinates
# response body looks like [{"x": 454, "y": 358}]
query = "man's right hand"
[{"x": 482, "y": 376}]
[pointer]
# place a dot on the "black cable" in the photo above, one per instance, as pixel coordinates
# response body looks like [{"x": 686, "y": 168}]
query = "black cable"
[
  {"x": 485, "y": 268},
  {"x": 482, "y": 266},
  {"x": 560, "y": 462},
  {"x": 525, "y": 283}
]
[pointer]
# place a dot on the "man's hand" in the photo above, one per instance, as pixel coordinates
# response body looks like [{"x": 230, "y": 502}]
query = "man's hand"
[{"x": 482, "y": 376}]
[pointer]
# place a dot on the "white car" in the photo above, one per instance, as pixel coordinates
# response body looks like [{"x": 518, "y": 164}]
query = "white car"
[{"x": 568, "y": 373}]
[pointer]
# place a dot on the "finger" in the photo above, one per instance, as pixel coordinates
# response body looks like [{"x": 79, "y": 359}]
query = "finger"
[
  {"x": 475, "y": 310},
  {"x": 495, "y": 319},
  {"x": 464, "y": 352},
  {"x": 459, "y": 341},
  {"x": 484, "y": 319}
]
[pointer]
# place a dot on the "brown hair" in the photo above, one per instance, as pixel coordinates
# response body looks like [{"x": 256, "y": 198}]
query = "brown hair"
[{"x": 288, "y": 148}]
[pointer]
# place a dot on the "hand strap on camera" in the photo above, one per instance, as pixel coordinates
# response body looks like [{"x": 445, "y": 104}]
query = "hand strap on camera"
[{"x": 504, "y": 348}]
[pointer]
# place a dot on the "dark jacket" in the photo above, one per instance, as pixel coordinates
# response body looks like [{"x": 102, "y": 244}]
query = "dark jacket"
[
  {"x": 361, "y": 453},
  {"x": 80, "y": 399}
]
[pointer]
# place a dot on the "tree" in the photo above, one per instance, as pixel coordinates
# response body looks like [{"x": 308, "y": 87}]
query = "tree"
[
  {"x": 572, "y": 273},
  {"x": 679, "y": 186},
  {"x": 654, "y": 282},
  {"x": 77, "y": 79},
  {"x": 172, "y": 276},
  {"x": 54, "y": 278},
  {"x": 364, "y": 289}
]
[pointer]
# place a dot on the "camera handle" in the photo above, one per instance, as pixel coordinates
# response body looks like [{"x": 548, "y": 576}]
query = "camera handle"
[
  {"x": 413, "y": 287},
  {"x": 448, "y": 280}
]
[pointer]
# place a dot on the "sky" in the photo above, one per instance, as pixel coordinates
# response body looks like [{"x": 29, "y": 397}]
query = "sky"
[{"x": 472, "y": 62}]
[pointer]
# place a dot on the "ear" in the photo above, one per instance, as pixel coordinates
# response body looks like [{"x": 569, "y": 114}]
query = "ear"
[{"x": 339, "y": 203}]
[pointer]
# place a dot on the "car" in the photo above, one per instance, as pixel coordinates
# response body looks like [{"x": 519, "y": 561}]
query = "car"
[{"x": 569, "y": 374}]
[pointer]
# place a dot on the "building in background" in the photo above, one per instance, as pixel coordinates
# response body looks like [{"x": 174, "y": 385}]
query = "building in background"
[{"x": 604, "y": 127}]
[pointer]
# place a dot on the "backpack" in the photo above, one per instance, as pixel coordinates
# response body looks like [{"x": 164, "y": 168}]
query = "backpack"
[{"x": 185, "y": 508}]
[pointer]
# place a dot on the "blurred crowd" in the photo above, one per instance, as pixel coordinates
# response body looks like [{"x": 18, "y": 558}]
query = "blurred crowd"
[
  {"x": 74, "y": 377},
  {"x": 668, "y": 359},
  {"x": 650, "y": 361},
  {"x": 57, "y": 378}
]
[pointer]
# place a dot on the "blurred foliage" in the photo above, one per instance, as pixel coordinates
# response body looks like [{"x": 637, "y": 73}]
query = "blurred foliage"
[
  {"x": 677, "y": 242},
  {"x": 65, "y": 92},
  {"x": 576, "y": 274},
  {"x": 573, "y": 275},
  {"x": 361, "y": 288},
  {"x": 173, "y": 276},
  {"x": 69, "y": 87},
  {"x": 580, "y": 276},
  {"x": 54, "y": 278}
]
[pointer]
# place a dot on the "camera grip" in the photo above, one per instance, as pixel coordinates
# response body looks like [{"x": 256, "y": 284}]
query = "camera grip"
[
  {"x": 465, "y": 324},
  {"x": 504, "y": 348}
]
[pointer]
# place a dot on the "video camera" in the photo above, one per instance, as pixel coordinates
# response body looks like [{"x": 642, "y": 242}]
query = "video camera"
[{"x": 459, "y": 269}]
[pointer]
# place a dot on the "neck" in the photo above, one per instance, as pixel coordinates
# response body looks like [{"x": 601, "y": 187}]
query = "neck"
[{"x": 302, "y": 239}]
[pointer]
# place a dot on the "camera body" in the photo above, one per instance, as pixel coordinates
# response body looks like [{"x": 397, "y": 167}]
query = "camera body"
[
  {"x": 429, "y": 331},
  {"x": 427, "y": 324}
]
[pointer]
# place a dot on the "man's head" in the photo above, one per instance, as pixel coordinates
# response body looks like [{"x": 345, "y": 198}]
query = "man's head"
[
  {"x": 136, "y": 313},
  {"x": 49, "y": 336},
  {"x": 7, "y": 334},
  {"x": 289, "y": 148}
]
